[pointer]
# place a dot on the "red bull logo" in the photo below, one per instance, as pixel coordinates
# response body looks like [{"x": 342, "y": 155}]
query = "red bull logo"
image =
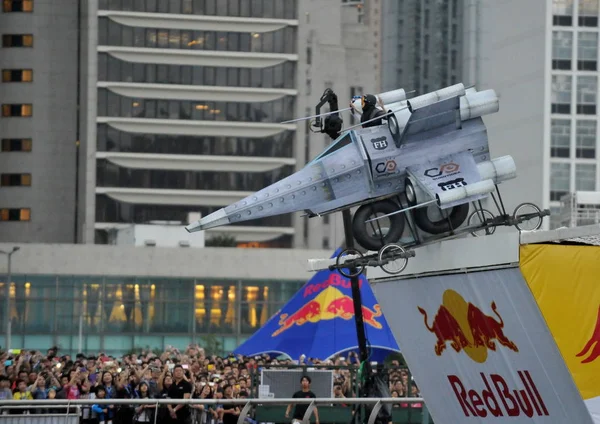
[
  {"x": 467, "y": 328},
  {"x": 331, "y": 303},
  {"x": 592, "y": 347}
]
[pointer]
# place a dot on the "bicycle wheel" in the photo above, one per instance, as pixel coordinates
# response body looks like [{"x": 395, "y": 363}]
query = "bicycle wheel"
[
  {"x": 346, "y": 271},
  {"x": 479, "y": 218},
  {"x": 530, "y": 214},
  {"x": 392, "y": 266}
]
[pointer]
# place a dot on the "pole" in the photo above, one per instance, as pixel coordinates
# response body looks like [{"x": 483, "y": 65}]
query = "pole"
[
  {"x": 7, "y": 307},
  {"x": 356, "y": 296},
  {"x": 7, "y": 301},
  {"x": 80, "y": 343}
]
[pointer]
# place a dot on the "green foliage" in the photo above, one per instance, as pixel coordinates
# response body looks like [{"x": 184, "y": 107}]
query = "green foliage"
[
  {"x": 221, "y": 241},
  {"x": 211, "y": 344}
]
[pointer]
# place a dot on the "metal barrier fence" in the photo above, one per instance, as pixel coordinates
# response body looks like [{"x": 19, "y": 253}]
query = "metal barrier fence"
[
  {"x": 72, "y": 407},
  {"x": 352, "y": 369}
]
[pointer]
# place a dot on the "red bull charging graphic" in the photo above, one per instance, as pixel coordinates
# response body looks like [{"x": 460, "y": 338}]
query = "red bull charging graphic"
[
  {"x": 465, "y": 327},
  {"x": 591, "y": 350},
  {"x": 331, "y": 303}
]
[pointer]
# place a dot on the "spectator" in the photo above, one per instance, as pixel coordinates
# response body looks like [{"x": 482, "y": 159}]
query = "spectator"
[
  {"x": 180, "y": 389},
  {"x": 300, "y": 410}
]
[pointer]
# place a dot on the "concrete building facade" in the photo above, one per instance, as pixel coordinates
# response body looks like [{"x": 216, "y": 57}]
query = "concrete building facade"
[
  {"x": 39, "y": 122},
  {"x": 544, "y": 68},
  {"x": 421, "y": 44},
  {"x": 115, "y": 298},
  {"x": 180, "y": 105}
]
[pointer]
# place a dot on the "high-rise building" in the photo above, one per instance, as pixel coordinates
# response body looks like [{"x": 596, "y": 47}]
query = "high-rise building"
[
  {"x": 177, "y": 106},
  {"x": 541, "y": 58},
  {"x": 39, "y": 122},
  {"x": 421, "y": 44},
  {"x": 189, "y": 99}
]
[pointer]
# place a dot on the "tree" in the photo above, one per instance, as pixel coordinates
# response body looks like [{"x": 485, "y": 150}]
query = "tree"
[{"x": 221, "y": 241}]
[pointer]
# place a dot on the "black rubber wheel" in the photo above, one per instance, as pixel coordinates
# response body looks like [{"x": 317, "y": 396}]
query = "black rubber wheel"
[
  {"x": 457, "y": 217},
  {"x": 358, "y": 268},
  {"x": 366, "y": 233}
]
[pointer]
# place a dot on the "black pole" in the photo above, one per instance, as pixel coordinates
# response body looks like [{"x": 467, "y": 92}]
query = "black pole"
[{"x": 356, "y": 296}]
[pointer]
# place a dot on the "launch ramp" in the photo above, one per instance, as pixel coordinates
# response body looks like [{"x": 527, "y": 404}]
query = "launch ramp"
[{"x": 490, "y": 327}]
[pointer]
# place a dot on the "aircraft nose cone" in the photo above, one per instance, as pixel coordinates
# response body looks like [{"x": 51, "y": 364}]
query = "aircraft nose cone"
[{"x": 215, "y": 219}]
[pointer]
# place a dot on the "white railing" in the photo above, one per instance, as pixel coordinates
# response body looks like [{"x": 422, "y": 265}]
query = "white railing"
[{"x": 377, "y": 403}]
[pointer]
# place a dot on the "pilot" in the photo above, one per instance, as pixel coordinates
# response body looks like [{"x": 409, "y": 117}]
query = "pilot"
[{"x": 370, "y": 110}]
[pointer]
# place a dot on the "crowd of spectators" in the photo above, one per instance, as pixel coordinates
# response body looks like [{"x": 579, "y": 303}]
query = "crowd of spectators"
[{"x": 174, "y": 374}]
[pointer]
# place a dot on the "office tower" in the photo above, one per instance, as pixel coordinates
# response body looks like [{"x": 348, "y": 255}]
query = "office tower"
[
  {"x": 542, "y": 60},
  {"x": 39, "y": 122},
  {"x": 165, "y": 110},
  {"x": 338, "y": 50},
  {"x": 189, "y": 96},
  {"x": 421, "y": 44}
]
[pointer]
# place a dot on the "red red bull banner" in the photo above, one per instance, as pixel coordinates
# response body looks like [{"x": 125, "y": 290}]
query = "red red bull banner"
[
  {"x": 480, "y": 350},
  {"x": 565, "y": 281}
]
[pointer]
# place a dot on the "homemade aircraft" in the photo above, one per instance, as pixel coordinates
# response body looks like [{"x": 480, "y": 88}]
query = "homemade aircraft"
[{"x": 430, "y": 153}]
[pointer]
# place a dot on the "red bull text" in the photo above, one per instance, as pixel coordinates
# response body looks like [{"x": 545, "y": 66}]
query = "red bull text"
[
  {"x": 522, "y": 399},
  {"x": 334, "y": 279}
]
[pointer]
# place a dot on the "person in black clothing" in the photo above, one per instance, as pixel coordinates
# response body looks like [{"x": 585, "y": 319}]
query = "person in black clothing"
[
  {"x": 370, "y": 111},
  {"x": 300, "y": 410},
  {"x": 180, "y": 389}
]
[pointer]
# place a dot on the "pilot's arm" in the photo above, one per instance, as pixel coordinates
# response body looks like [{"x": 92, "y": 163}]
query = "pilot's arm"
[
  {"x": 380, "y": 103},
  {"x": 354, "y": 110}
]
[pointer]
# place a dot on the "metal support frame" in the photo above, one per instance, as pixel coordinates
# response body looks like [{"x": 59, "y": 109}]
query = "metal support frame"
[{"x": 356, "y": 296}]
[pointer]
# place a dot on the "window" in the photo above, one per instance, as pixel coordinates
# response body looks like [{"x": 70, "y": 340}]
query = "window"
[
  {"x": 585, "y": 176},
  {"x": 17, "y": 40},
  {"x": 560, "y": 180},
  {"x": 587, "y": 51},
  {"x": 586, "y": 95},
  {"x": 588, "y": 13},
  {"x": 17, "y": 75},
  {"x": 562, "y": 11},
  {"x": 16, "y": 145},
  {"x": 562, "y": 49},
  {"x": 586, "y": 139},
  {"x": 17, "y": 6},
  {"x": 22, "y": 214},
  {"x": 9, "y": 110},
  {"x": 7, "y": 180},
  {"x": 560, "y": 138},
  {"x": 561, "y": 93}
]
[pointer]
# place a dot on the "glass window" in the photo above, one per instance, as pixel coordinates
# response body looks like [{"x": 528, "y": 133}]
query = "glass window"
[
  {"x": 561, "y": 93},
  {"x": 560, "y": 180},
  {"x": 586, "y": 139},
  {"x": 562, "y": 49},
  {"x": 16, "y": 145},
  {"x": 7, "y": 180},
  {"x": 17, "y": 75},
  {"x": 17, "y": 40},
  {"x": 17, "y": 6},
  {"x": 16, "y": 214},
  {"x": 585, "y": 177},
  {"x": 17, "y": 110},
  {"x": 587, "y": 51},
  {"x": 560, "y": 138},
  {"x": 562, "y": 11},
  {"x": 588, "y": 13},
  {"x": 587, "y": 87}
]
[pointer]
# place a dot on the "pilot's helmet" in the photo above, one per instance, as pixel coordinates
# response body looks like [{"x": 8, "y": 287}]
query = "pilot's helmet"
[{"x": 368, "y": 101}]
